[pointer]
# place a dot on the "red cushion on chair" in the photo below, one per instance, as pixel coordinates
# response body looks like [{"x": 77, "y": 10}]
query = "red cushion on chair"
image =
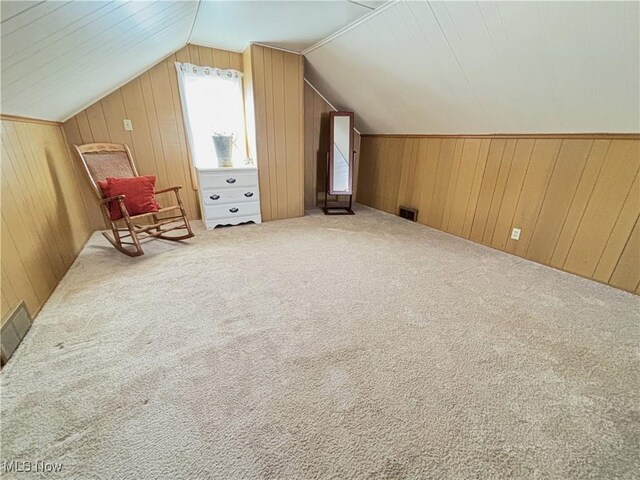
[{"x": 138, "y": 194}]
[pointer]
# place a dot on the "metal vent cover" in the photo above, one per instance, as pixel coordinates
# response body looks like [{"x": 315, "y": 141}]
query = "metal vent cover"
[
  {"x": 14, "y": 327},
  {"x": 409, "y": 213}
]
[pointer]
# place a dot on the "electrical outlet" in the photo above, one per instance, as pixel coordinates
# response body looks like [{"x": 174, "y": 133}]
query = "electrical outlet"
[
  {"x": 515, "y": 234},
  {"x": 128, "y": 126}
]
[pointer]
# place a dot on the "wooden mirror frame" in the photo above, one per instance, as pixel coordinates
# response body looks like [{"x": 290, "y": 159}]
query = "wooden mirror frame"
[
  {"x": 332, "y": 116},
  {"x": 337, "y": 207}
]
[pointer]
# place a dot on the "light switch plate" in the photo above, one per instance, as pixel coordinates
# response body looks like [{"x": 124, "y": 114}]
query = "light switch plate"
[
  {"x": 515, "y": 234},
  {"x": 128, "y": 126}
]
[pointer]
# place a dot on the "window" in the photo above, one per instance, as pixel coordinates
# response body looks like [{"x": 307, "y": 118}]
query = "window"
[{"x": 214, "y": 115}]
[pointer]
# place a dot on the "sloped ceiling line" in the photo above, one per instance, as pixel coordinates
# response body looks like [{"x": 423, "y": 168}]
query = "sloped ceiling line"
[
  {"x": 487, "y": 68},
  {"x": 361, "y": 4},
  {"x": 18, "y": 9},
  {"x": 70, "y": 58},
  {"x": 39, "y": 45},
  {"x": 453, "y": 50},
  {"x": 21, "y": 19},
  {"x": 348, "y": 27},
  {"x": 142, "y": 38},
  {"x": 326, "y": 101},
  {"x": 405, "y": 67},
  {"x": 290, "y": 25},
  {"x": 193, "y": 24},
  {"x": 56, "y": 61},
  {"x": 60, "y": 57}
]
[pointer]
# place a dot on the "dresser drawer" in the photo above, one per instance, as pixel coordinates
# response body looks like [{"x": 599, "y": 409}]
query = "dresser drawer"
[
  {"x": 237, "y": 195},
  {"x": 232, "y": 210},
  {"x": 210, "y": 180}
]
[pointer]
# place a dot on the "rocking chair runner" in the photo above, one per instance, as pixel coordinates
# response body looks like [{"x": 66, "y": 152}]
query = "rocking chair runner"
[{"x": 102, "y": 160}]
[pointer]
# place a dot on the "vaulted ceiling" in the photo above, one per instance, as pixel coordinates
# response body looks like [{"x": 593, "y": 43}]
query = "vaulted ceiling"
[
  {"x": 59, "y": 57},
  {"x": 405, "y": 67},
  {"x": 486, "y": 67},
  {"x": 293, "y": 25}
]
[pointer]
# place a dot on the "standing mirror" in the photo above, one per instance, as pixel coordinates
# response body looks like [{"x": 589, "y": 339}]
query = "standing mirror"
[{"x": 340, "y": 162}]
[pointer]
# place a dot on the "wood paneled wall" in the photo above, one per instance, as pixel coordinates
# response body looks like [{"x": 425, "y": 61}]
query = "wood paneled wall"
[
  {"x": 274, "y": 79},
  {"x": 45, "y": 221},
  {"x": 316, "y": 144},
  {"x": 577, "y": 200},
  {"x": 158, "y": 141}
]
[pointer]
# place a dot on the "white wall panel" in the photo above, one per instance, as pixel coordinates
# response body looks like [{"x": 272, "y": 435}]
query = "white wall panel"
[
  {"x": 11, "y": 9},
  {"x": 487, "y": 67},
  {"x": 59, "y": 57},
  {"x": 410, "y": 67},
  {"x": 293, "y": 24}
]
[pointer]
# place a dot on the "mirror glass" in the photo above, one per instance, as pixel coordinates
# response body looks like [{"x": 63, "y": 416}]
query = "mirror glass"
[{"x": 341, "y": 177}]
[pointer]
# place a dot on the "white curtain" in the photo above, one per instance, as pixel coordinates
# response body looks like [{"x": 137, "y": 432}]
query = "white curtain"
[{"x": 212, "y": 104}]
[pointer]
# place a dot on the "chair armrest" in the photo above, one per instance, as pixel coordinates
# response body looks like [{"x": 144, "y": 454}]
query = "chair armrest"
[
  {"x": 169, "y": 189},
  {"x": 119, "y": 198}
]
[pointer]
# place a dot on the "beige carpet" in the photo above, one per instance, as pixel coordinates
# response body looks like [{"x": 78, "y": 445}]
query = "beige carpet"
[{"x": 326, "y": 347}]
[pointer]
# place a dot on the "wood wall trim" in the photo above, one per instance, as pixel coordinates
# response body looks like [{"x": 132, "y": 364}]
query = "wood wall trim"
[
  {"x": 576, "y": 200},
  {"x": 316, "y": 141},
  {"x": 276, "y": 84},
  {"x": 610, "y": 136},
  {"x": 158, "y": 141},
  {"x": 327, "y": 101},
  {"x": 17, "y": 118},
  {"x": 286, "y": 50},
  {"x": 44, "y": 220}
]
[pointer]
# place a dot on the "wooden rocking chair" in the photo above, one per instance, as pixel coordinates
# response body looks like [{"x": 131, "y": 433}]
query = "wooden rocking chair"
[{"x": 102, "y": 160}]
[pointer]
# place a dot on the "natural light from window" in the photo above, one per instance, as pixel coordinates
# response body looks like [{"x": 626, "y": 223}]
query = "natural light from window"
[{"x": 214, "y": 113}]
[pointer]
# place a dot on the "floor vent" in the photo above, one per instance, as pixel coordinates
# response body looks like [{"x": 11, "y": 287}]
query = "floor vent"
[
  {"x": 409, "y": 213},
  {"x": 14, "y": 327}
]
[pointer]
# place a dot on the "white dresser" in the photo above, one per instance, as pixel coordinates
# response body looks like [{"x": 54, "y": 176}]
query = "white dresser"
[{"x": 229, "y": 196}]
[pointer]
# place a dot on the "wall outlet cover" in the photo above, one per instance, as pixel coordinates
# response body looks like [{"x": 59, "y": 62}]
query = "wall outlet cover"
[
  {"x": 515, "y": 234},
  {"x": 128, "y": 125}
]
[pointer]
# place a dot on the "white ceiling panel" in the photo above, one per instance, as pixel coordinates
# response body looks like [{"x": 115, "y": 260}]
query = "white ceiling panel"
[
  {"x": 293, "y": 25},
  {"x": 487, "y": 67},
  {"x": 11, "y": 9},
  {"x": 59, "y": 57},
  {"x": 371, "y": 4},
  {"x": 407, "y": 67}
]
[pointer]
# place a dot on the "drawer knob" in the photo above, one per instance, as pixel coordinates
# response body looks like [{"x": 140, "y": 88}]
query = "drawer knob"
[
  {"x": 248, "y": 194},
  {"x": 214, "y": 197},
  {"x": 231, "y": 180},
  {"x": 233, "y": 210}
]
